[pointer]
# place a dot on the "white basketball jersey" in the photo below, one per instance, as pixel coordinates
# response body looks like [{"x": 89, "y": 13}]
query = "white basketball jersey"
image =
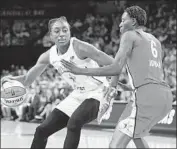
[{"x": 78, "y": 82}]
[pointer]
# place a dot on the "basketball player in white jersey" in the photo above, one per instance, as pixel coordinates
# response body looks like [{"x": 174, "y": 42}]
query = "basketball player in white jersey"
[{"x": 82, "y": 105}]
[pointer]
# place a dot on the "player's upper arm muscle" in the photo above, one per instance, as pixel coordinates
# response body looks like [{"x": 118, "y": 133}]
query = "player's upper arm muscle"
[
  {"x": 43, "y": 59},
  {"x": 126, "y": 46},
  {"x": 37, "y": 69},
  {"x": 92, "y": 52}
]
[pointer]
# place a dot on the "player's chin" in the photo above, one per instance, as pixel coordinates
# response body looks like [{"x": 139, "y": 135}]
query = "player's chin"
[{"x": 121, "y": 31}]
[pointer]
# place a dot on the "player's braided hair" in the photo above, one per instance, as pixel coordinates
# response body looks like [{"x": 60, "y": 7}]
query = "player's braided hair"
[
  {"x": 138, "y": 13},
  {"x": 52, "y": 21}
]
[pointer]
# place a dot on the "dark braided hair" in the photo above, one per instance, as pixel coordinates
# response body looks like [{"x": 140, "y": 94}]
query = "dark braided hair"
[{"x": 138, "y": 13}]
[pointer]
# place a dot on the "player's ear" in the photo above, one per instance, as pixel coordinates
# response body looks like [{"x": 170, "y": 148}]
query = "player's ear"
[
  {"x": 50, "y": 35},
  {"x": 134, "y": 21}
]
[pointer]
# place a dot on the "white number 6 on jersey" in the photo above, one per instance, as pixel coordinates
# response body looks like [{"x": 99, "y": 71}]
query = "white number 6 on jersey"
[{"x": 153, "y": 49}]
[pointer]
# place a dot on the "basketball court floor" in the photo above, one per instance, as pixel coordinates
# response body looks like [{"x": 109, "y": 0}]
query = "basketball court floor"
[{"x": 20, "y": 135}]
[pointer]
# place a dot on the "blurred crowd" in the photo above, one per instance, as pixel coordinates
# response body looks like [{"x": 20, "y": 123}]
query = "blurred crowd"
[{"x": 101, "y": 31}]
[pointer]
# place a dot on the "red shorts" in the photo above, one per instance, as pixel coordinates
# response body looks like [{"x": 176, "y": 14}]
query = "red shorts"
[{"x": 152, "y": 102}]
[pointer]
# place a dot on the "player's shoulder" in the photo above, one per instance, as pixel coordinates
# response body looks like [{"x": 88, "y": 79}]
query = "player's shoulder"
[
  {"x": 153, "y": 38},
  {"x": 80, "y": 44},
  {"x": 129, "y": 35},
  {"x": 47, "y": 52},
  {"x": 52, "y": 48},
  {"x": 44, "y": 57}
]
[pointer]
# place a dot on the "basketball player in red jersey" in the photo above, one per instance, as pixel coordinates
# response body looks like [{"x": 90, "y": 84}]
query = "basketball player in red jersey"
[{"x": 142, "y": 54}]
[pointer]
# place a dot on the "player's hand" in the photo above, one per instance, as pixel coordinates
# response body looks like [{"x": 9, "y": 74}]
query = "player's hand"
[
  {"x": 71, "y": 67},
  {"x": 105, "y": 108},
  {"x": 7, "y": 79}
]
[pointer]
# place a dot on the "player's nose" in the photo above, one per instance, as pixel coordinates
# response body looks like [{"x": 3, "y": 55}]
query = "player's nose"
[
  {"x": 62, "y": 34},
  {"x": 120, "y": 25}
]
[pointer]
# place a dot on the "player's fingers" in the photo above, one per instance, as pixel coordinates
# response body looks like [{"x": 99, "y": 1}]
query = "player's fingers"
[
  {"x": 71, "y": 64},
  {"x": 3, "y": 80},
  {"x": 7, "y": 79},
  {"x": 65, "y": 62},
  {"x": 66, "y": 65}
]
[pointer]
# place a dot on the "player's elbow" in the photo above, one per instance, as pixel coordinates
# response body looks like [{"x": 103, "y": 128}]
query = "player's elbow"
[
  {"x": 113, "y": 72},
  {"x": 117, "y": 70},
  {"x": 104, "y": 59}
]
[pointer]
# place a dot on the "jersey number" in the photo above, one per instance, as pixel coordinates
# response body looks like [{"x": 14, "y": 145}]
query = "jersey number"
[{"x": 153, "y": 49}]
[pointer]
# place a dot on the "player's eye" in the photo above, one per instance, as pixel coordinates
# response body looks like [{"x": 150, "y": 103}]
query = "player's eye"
[
  {"x": 65, "y": 30},
  {"x": 56, "y": 31}
]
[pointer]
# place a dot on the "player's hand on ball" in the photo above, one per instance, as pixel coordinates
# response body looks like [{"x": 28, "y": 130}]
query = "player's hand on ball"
[
  {"x": 71, "y": 67},
  {"x": 13, "y": 92},
  {"x": 6, "y": 79}
]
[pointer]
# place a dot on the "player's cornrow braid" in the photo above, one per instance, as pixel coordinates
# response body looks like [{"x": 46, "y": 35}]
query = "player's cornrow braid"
[{"x": 138, "y": 13}]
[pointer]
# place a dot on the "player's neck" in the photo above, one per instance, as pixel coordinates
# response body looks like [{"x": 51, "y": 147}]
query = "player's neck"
[
  {"x": 63, "y": 49},
  {"x": 138, "y": 28}
]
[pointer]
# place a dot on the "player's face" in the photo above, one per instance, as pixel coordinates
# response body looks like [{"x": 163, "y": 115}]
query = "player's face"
[
  {"x": 126, "y": 23},
  {"x": 60, "y": 33}
]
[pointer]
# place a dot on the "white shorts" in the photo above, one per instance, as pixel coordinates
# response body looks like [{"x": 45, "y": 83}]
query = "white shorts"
[{"x": 75, "y": 99}]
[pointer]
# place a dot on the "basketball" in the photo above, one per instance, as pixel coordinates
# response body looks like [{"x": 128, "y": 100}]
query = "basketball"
[{"x": 12, "y": 93}]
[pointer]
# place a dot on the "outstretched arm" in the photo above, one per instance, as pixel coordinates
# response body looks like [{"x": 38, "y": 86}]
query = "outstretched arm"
[
  {"x": 89, "y": 51},
  {"x": 123, "y": 53},
  {"x": 125, "y": 49},
  {"x": 34, "y": 72}
]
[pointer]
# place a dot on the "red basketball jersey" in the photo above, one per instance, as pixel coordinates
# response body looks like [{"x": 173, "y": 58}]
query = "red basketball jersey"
[{"x": 145, "y": 62}]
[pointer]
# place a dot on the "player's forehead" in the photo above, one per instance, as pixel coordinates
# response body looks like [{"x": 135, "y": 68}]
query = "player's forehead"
[
  {"x": 125, "y": 16},
  {"x": 60, "y": 24}
]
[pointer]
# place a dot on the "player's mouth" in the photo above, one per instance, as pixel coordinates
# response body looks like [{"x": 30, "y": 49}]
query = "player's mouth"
[{"x": 61, "y": 40}]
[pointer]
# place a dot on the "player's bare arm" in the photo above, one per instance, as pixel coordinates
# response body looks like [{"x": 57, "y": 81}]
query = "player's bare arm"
[
  {"x": 125, "y": 49},
  {"x": 34, "y": 72},
  {"x": 89, "y": 51}
]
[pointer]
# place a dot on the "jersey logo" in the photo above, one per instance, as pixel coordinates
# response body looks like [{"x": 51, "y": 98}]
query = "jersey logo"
[
  {"x": 12, "y": 92},
  {"x": 71, "y": 58}
]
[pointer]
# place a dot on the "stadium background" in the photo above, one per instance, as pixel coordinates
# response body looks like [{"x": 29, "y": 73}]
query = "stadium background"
[{"x": 24, "y": 36}]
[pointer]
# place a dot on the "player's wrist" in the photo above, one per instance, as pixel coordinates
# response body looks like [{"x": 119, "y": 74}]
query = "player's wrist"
[{"x": 21, "y": 79}]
